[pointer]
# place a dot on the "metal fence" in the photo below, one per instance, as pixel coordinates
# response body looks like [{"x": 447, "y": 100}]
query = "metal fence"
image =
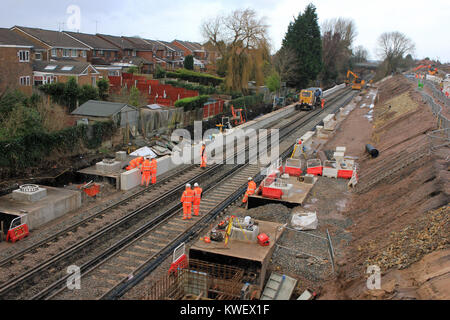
[{"x": 443, "y": 122}]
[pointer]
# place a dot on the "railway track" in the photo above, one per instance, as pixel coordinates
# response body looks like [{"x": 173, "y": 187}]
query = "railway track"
[
  {"x": 103, "y": 281},
  {"x": 18, "y": 283}
]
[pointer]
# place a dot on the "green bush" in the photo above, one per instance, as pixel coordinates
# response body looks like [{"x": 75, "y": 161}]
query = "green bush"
[
  {"x": 197, "y": 87},
  {"x": 191, "y": 103},
  {"x": 247, "y": 101},
  {"x": 31, "y": 149},
  {"x": 202, "y": 78}
]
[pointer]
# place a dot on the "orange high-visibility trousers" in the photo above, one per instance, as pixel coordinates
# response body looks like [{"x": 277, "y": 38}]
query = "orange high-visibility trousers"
[
  {"x": 145, "y": 178},
  {"x": 187, "y": 210},
  {"x": 153, "y": 175}
]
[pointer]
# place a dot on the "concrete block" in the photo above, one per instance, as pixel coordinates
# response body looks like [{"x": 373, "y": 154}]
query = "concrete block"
[
  {"x": 341, "y": 149},
  {"x": 116, "y": 166},
  {"x": 339, "y": 156},
  {"x": 34, "y": 196},
  {"x": 57, "y": 203},
  {"x": 121, "y": 156},
  {"x": 130, "y": 179}
]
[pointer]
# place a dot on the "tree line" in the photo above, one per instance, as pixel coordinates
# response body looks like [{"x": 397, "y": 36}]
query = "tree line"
[{"x": 310, "y": 54}]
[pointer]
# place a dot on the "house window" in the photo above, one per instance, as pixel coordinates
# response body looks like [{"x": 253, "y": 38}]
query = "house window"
[
  {"x": 66, "y": 53},
  {"x": 54, "y": 53},
  {"x": 74, "y": 53},
  {"x": 25, "y": 81},
  {"x": 94, "y": 81},
  {"x": 100, "y": 52},
  {"x": 133, "y": 53},
  {"x": 24, "y": 56},
  {"x": 38, "y": 56},
  {"x": 84, "y": 53}
]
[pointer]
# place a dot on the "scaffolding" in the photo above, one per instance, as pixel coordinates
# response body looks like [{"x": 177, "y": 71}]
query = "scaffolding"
[{"x": 200, "y": 280}]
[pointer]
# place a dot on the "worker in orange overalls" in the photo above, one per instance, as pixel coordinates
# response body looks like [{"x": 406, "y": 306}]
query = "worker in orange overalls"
[
  {"x": 250, "y": 190},
  {"x": 197, "y": 198},
  {"x": 323, "y": 103},
  {"x": 187, "y": 198},
  {"x": 203, "y": 156},
  {"x": 135, "y": 163},
  {"x": 153, "y": 170},
  {"x": 146, "y": 171}
]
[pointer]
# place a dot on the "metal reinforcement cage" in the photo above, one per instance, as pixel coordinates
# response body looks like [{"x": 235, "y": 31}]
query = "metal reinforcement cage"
[{"x": 200, "y": 280}]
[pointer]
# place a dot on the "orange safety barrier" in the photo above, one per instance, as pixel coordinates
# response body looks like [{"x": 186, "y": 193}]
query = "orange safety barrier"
[
  {"x": 17, "y": 233},
  {"x": 293, "y": 171},
  {"x": 272, "y": 193},
  {"x": 181, "y": 263},
  {"x": 317, "y": 171},
  {"x": 345, "y": 174}
]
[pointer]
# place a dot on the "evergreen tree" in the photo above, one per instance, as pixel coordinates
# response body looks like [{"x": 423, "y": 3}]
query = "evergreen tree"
[
  {"x": 189, "y": 62},
  {"x": 303, "y": 37},
  {"x": 103, "y": 88},
  {"x": 71, "y": 92}
]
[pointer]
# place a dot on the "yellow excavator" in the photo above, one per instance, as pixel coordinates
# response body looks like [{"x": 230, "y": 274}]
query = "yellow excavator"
[{"x": 357, "y": 82}]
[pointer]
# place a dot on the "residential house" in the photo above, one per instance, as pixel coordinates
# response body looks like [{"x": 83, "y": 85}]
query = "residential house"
[
  {"x": 102, "y": 53},
  {"x": 131, "y": 47},
  {"x": 61, "y": 71},
  {"x": 16, "y": 61},
  {"x": 58, "y": 45},
  {"x": 124, "y": 115},
  {"x": 194, "y": 49},
  {"x": 173, "y": 56}
]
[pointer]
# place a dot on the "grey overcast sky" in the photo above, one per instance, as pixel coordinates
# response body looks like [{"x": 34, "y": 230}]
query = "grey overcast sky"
[{"x": 426, "y": 22}]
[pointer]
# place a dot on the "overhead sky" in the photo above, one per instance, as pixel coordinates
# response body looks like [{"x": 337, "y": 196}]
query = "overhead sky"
[{"x": 425, "y": 22}]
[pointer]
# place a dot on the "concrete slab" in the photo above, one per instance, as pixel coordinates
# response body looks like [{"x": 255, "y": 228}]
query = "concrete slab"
[
  {"x": 130, "y": 179},
  {"x": 113, "y": 167},
  {"x": 57, "y": 203},
  {"x": 37, "y": 195}
]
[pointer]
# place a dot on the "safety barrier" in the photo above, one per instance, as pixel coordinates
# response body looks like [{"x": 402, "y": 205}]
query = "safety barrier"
[
  {"x": 314, "y": 167},
  {"x": 18, "y": 229},
  {"x": 179, "y": 259},
  {"x": 293, "y": 167}
]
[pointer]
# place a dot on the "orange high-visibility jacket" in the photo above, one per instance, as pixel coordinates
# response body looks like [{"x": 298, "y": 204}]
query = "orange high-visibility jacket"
[
  {"x": 188, "y": 196},
  {"x": 146, "y": 166},
  {"x": 251, "y": 187},
  {"x": 197, "y": 195},
  {"x": 153, "y": 166}
]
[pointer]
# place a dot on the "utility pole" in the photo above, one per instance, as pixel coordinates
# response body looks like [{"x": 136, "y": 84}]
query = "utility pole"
[{"x": 96, "y": 26}]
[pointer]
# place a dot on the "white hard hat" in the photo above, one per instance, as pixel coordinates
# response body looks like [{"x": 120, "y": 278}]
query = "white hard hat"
[
  {"x": 196, "y": 184},
  {"x": 250, "y": 178},
  {"x": 188, "y": 185}
]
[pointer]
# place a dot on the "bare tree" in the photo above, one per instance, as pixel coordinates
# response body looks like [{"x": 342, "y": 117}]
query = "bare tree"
[
  {"x": 241, "y": 38},
  {"x": 392, "y": 47},
  {"x": 285, "y": 63},
  {"x": 360, "y": 54},
  {"x": 338, "y": 35}
]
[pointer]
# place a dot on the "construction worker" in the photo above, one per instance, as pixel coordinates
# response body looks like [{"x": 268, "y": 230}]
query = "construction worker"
[
  {"x": 323, "y": 103},
  {"x": 153, "y": 170},
  {"x": 197, "y": 198},
  {"x": 187, "y": 199},
  {"x": 146, "y": 171},
  {"x": 250, "y": 190},
  {"x": 135, "y": 163},
  {"x": 203, "y": 156}
]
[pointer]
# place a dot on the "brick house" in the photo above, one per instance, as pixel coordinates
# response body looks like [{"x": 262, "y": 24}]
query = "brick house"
[
  {"x": 101, "y": 51},
  {"x": 57, "y": 45},
  {"x": 173, "y": 56},
  {"x": 195, "y": 49},
  {"x": 132, "y": 47},
  {"x": 61, "y": 71},
  {"x": 16, "y": 61}
]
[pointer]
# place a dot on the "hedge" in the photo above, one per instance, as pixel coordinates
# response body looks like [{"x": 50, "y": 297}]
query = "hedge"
[
  {"x": 202, "y": 78},
  {"x": 30, "y": 150},
  {"x": 192, "y": 103},
  {"x": 197, "y": 87},
  {"x": 247, "y": 101}
]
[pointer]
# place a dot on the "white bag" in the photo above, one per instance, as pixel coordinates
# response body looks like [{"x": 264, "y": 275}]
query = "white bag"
[{"x": 304, "y": 221}]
